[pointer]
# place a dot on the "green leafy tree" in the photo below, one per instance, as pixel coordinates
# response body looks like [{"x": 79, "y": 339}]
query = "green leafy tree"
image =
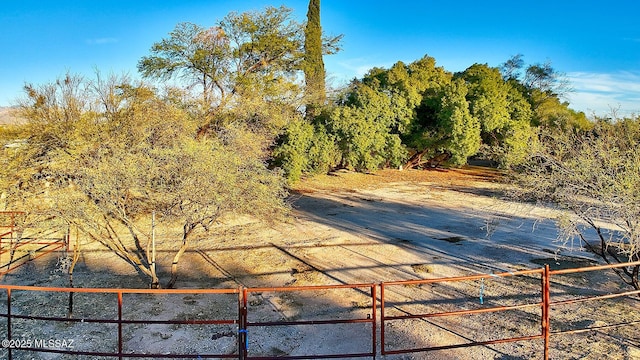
[
  {"x": 197, "y": 55},
  {"x": 393, "y": 100},
  {"x": 268, "y": 44},
  {"x": 503, "y": 109},
  {"x": 552, "y": 112},
  {"x": 515, "y": 138},
  {"x": 509, "y": 144},
  {"x": 314, "y": 73},
  {"x": 363, "y": 128},
  {"x": 450, "y": 134},
  {"x": 361, "y": 132},
  {"x": 544, "y": 88},
  {"x": 305, "y": 148},
  {"x": 252, "y": 57},
  {"x": 458, "y": 128},
  {"x": 424, "y": 136},
  {"x": 104, "y": 155},
  {"x": 487, "y": 97}
]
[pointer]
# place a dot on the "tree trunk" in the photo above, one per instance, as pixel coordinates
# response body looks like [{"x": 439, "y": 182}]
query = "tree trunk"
[
  {"x": 174, "y": 265},
  {"x": 74, "y": 261},
  {"x": 630, "y": 277},
  {"x": 416, "y": 159},
  {"x": 185, "y": 244},
  {"x": 151, "y": 253},
  {"x": 435, "y": 161},
  {"x": 118, "y": 248}
]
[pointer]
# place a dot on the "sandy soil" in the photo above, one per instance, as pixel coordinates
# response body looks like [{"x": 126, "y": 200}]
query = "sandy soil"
[{"x": 348, "y": 228}]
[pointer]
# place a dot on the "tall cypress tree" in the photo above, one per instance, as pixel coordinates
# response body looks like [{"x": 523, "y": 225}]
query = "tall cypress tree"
[{"x": 314, "y": 73}]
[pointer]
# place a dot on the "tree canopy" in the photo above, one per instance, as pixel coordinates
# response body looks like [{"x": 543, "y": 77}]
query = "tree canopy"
[
  {"x": 244, "y": 58},
  {"x": 103, "y": 155},
  {"x": 314, "y": 74},
  {"x": 412, "y": 115},
  {"x": 594, "y": 174}
]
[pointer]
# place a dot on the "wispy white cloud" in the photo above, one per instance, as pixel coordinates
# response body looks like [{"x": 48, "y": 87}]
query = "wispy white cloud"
[
  {"x": 101, "y": 41},
  {"x": 600, "y": 93},
  {"x": 359, "y": 66},
  {"x": 347, "y": 69}
]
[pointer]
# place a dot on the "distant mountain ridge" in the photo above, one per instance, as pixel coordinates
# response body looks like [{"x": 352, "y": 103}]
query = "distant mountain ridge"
[{"x": 6, "y": 117}]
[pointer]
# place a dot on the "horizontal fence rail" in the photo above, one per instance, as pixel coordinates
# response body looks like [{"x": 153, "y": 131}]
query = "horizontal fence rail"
[
  {"x": 386, "y": 286},
  {"x": 349, "y": 292},
  {"x": 15, "y": 252},
  {"x": 16, "y": 249},
  {"x": 544, "y": 304},
  {"x": 239, "y": 315},
  {"x": 560, "y": 303},
  {"x": 117, "y": 322}
]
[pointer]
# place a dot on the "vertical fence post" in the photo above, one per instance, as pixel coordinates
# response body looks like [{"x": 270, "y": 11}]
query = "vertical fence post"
[
  {"x": 13, "y": 224},
  {"x": 546, "y": 309},
  {"x": 373, "y": 319},
  {"x": 242, "y": 323},
  {"x": 120, "y": 325},
  {"x": 9, "y": 322},
  {"x": 382, "y": 351}
]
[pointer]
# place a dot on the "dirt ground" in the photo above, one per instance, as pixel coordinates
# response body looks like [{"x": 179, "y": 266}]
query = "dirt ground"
[{"x": 349, "y": 228}]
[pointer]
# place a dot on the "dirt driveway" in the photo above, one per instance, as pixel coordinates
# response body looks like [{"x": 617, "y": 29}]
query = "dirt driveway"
[{"x": 348, "y": 228}]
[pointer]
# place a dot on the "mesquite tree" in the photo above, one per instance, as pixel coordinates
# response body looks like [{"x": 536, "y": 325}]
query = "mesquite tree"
[
  {"x": 595, "y": 175},
  {"x": 104, "y": 155}
]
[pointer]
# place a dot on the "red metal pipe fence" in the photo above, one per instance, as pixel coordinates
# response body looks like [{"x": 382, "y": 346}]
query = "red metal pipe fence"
[
  {"x": 16, "y": 250},
  {"x": 248, "y": 322},
  {"x": 545, "y": 304},
  {"x": 593, "y": 298},
  {"x": 370, "y": 319},
  {"x": 12, "y": 344},
  {"x": 384, "y": 318},
  {"x": 32, "y": 248}
]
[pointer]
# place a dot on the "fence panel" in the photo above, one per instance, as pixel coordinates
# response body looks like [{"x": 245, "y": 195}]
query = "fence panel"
[
  {"x": 311, "y": 322},
  {"x": 314, "y": 322},
  {"x": 17, "y": 248},
  {"x": 118, "y": 323},
  {"x": 460, "y": 312},
  {"x": 608, "y": 320}
]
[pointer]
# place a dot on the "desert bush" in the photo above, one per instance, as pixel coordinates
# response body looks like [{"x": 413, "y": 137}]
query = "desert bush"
[{"x": 595, "y": 175}]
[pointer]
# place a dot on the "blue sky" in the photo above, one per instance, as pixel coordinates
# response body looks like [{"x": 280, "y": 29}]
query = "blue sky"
[{"x": 596, "y": 44}]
